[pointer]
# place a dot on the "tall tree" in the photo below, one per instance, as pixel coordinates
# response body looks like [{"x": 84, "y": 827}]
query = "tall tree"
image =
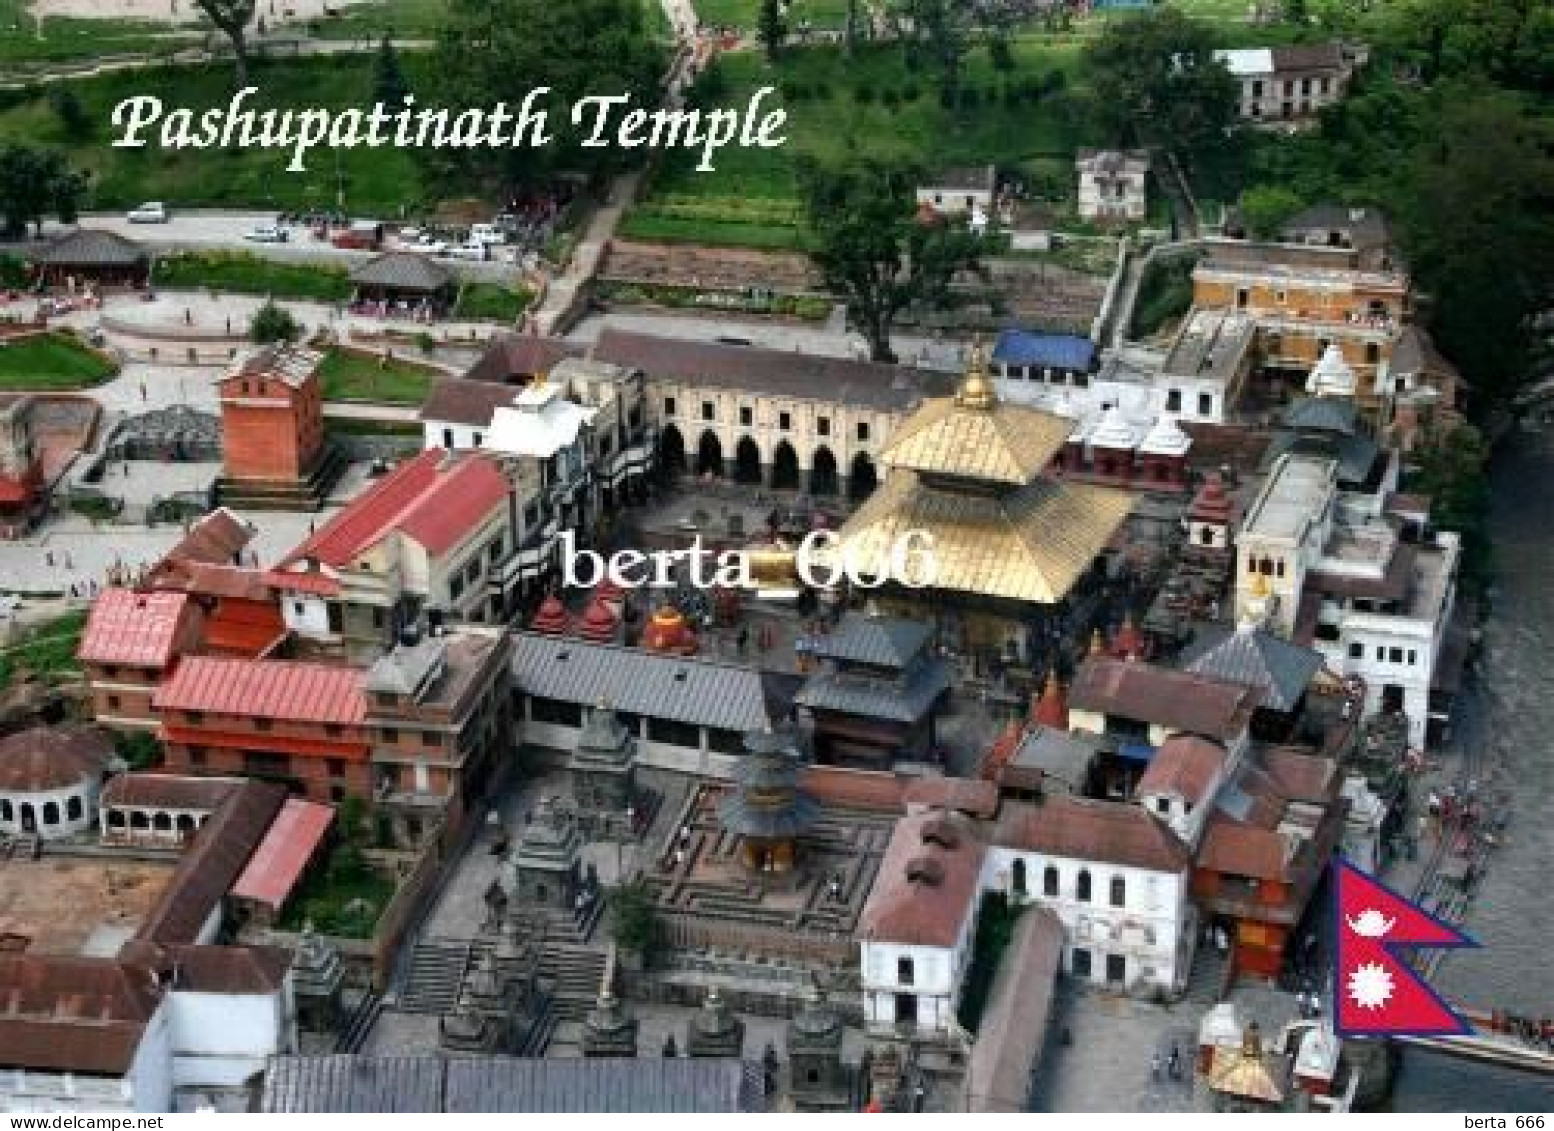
[
  {"x": 232, "y": 18},
  {"x": 34, "y": 183},
  {"x": 388, "y": 80},
  {"x": 771, "y": 29},
  {"x": 1153, "y": 77},
  {"x": 874, "y": 252},
  {"x": 490, "y": 50}
]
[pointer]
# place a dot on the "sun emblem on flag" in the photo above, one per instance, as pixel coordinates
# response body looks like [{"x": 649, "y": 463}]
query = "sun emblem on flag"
[
  {"x": 1371, "y": 924},
  {"x": 1370, "y": 985}
]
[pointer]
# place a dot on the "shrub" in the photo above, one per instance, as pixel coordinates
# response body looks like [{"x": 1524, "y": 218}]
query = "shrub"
[
  {"x": 891, "y": 98},
  {"x": 273, "y": 323},
  {"x": 864, "y": 92},
  {"x": 1011, "y": 96},
  {"x": 946, "y": 99},
  {"x": 910, "y": 93},
  {"x": 73, "y": 118},
  {"x": 1002, "y": 58},
  {"x": 634, "y": 920},
  {"x": 969, "y": 98}
]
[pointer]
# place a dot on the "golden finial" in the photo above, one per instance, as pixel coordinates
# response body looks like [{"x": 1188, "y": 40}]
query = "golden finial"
[
  {"x": 1097, "y": 644},
  {"x": 1260, "y": 585},
  {"x": 976, "y": 389}
]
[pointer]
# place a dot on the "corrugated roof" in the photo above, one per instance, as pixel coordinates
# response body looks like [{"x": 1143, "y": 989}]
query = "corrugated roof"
[
  {"x": 904, "y": 701},
  {"x": 1056, "y": 351},
  {"x": 434, "y": 498},
  {"x": 688, "y": 690},
  {"x": 404, "y": 271},
  {"x": 865, "y": 638},
  {"x": 429, "y": 1084},
  {"x": 279, "y": 861},
  {"x": 132, "y": 628},
  {"x": 270, "y": 689},
  {"x": 1258, "y": 658},
  {"x": 1177, "y": 700}
]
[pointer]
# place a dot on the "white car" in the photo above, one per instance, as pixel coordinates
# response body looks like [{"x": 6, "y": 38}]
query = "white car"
[
  {"x": 428, "y": 246},
  {"x": 471, "y": 250},
  {"x": 267, "y": 233},
  {"x": 151, "y": 212},
  {"x": 486, "y": 233}
]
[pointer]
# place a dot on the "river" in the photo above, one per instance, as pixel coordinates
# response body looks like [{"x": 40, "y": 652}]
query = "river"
[{"x": 1510, "y": 708}]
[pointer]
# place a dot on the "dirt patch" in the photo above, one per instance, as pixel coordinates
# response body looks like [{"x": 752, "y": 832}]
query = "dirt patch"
[{"x": 58, "y": 903}]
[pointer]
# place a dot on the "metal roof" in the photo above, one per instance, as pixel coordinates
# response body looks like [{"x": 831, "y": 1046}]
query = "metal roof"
[
  {"x": 342, "y": 1083},
  {"x": 275, "y": 689},
  {"x": 135, "y": 629},
  {"x": 862, "y": 638},
  {"x": 91, "y": 247},
  {"x": 1257, "y": 657},
  {"x": 695, "y": 691},
  {"x": 1058, "y": 351},
  {"x": 905, "y": 701},
  {"x": 277, "y": 864},
  {"x": 403, "y": 271}
]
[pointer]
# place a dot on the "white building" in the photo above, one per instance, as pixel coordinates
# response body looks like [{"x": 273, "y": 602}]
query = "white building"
[
  {"x": 961, "y": 190},
  {"x": 1285, "y": 83},
  {"x": 1117, "y": 878},
  {"x": 50, "y": 778},
  {"x": 1113, "y": 184},
  {"x": 915, "y": 931}
]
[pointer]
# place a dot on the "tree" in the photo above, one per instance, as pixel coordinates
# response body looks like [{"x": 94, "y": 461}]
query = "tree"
[
  {"x": 1265, "y": 208},
  {"x": 231, "y": 18},
  {"x": 1153, "y": 77},
  {"x": 273, "y": 323},
  {"x": 63, "y": 101},
  {"x": 388, "y": 80},
  {"x": 490, "y": 50},
  {"x": 634, "y": 920},
  {"x": 873, "y": 251},
  {"x": 33, "y": 183},
  {"x": 771, "y": 30}
]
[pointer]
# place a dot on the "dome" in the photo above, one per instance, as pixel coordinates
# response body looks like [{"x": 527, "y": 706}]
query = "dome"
[
  {"x": 45, "y": 759},
  {"x": 552, "y": 617},
  {"x": 1331, "y": 376},
  {"x": 598, "y": 623},
  {"x": 1114, "y": 432},
  {"x": 667, "y": 631},
  {"x": 609, "y": 592},
  {"x": 1166, "y": 438}
]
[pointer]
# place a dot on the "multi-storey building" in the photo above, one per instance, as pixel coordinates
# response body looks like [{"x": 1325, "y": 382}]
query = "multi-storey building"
[
  {"x": 1284, "y": 83},
  {"x": 1113, "y": 184},
  {"x": 131, "y": 642},
  {"x": 274, "y": 452}
]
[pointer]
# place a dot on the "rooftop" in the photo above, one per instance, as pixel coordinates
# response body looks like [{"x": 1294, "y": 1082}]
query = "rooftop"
[
  {"x": 458, "y": 400},
  {"x": 1057, "y": 754},
  {"x": 539, "y": 422},
  {"x": 290, "y": 690},
  {"x": 438, "y": 671},
  {"x": 90, "y": 247},
  {"x": 1291, "y": 499},
  {"x": 515, "y": 358},
  {"x": 133, "y": 629},
  {"x": 880, "y": 641},
  {"x": 403, "y": 271},
  {"x": 1176, "y": 700},
  {"x": 1079, "y": 828},
  {"x": 277, "y": 864},
  {"x": 1211, "y": 343},
  {"x": 1256, "y": 657},
  {"x": 279, "y": 362},
  {"x": 55, "y": 757},
  {"x": 73, "y": 1014},
  {"x": 1185, "y": 765},
  {"x": 1056, "y": 351},
  {"x": 927, "y": 884},
  {"x": 980, "y": 177}
]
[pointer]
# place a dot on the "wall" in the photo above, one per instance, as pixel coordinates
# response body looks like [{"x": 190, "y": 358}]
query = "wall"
[
  {"x": 937, "y": 976},
  {"x": 220, "y": 1040},
  {"x": 85, "y": 794},
  {"x": 306, "y": 615}
]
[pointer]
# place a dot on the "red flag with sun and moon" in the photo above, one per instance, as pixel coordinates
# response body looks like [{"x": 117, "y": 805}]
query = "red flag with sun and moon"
[{"x": 1376, "y": 992}]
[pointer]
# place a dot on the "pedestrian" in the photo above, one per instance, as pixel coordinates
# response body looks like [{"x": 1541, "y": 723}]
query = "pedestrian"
[
  {"x": 143, "y": 394},
  {"x": 48, "y": 558},
  {"x": 1154, "y": 1066},
  {"x": 1174, "y": 1064}
]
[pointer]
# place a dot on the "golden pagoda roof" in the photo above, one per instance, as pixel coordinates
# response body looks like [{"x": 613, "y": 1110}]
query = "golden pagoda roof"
[
  {"x": 1243, "y": 1072},
  {"x": 1030, "y": 544},
  {"x": 973, "y": 435}
]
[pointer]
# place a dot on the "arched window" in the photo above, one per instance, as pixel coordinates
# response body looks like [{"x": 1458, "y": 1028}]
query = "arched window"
[
  {"x": 1017, "y": 878},
  {"x": 1082, "y": 888},
  {"x": 73, "y": 809},
  {"x": 1265, "y": 567},
  {"x": 1119, "y": 892},
  {"x": 1049, "y": 881},
  {"x": 906, "y": 972},
  {"x": 116, "y": 819},
  {"x": 1206, "y": 535},
  {"x": 139, "y": 820}
]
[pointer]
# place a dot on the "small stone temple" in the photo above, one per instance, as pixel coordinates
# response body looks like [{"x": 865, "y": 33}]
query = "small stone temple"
[
  {"x": 603, "y": 766},
  {"x": 483, "y": 1021},
  {"x": 609, "y": 1030},
  {"x": 545, "y": 863},
  {"x": 317, "y": 977},
  {"x": 817, "y": 1078},
  {"x": 715, "y": 1030},
  {"x": 767, "y": 811}
]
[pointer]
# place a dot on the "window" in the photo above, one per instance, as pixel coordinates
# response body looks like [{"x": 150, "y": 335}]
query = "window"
[
  {"x": 298, "y": 608},
  {"x": 51, "y": 813},
  {"x": 1372, "y": 353},
  {"x": 1356, "y": 651},
  {"x": 746, "y": 416},
  {"x": 377, "y": 618},
  {"x": 197, "y": 756},
  {"x": 1118, "y": 896},
  {"x": 390, "y": 735},
  {"x": 479, "y": 439},
  {"x": 264, "y": 724},
  {"x": 337, "y": 793},
  {"x": 863, "y": 431},
  {"x": 1049, "y": 881},
  {"x": 1080, "y": 963},
  {"x": 1205, "y": 404},
  {"x": 668, "y": 406},
  {"x": 113, "y": 702},
  {"x": 1278, "y": 568},
  {"x": 336, "y": 767},
  {"x": 1413, "y": 657},
  {"x": 1257, "y": 88},
  {"x": 447, "y": 437},
  {"x": 473, "y": 572},
  {"x": 1395, "y": 655},
  {"x": 1082, "y": 888},
  {"x": 784, "y": 421},
  {"x": 194, "y": 717},
  {"x": 822, "y": 426},
  {"x": 1381, "y": 654},
  {"x": 431, "y": 738},
  {"x": 905, "y": 972},
  {"x": 73, "y": 809},
  {"x": 1162, "y": 804},
  {"x": 1017, "y": 877},
  {"x": 1174, "y": 400},
  {"x": 1242, "y": 294},
  {"x": 1279, "y": 297},
  {"x": 332, "y": 730},
  {"x": 1116, "y": 969},
  {"x": 455, "y": 587},
  {"x": 709, "y": 411}
]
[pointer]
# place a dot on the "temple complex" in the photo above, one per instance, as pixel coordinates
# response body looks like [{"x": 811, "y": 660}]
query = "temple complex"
[{"x": 972, "y": 472}]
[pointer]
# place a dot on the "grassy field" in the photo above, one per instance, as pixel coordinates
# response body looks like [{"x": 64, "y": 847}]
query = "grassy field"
[
  {"x": 44, "y": 649},
  {"x": 376, "y": 181},
  {"x": 487, "y": 302},
  {"x": 353, "y": 377},
  {"x": 745, "y": 13},
  {"x": 871, "y": 105},
  {"x": 66, "y": 39},
  {"x": 245, "y": 273},
  {"x": 50, "y": 362},
  {"x": 404, "y": 19}
]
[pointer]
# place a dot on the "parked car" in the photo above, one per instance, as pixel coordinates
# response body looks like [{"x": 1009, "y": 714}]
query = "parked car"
[
  {"x": 362, "y": 235},
  {"x": 471, "y": 250},
  {"x": 267, "y": 233},
  {"x": 151, "y": 212},
  {"x": 426, "y": 245}
]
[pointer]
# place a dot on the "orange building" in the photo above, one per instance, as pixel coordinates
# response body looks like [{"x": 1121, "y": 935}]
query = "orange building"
[
  {"x": 272, "y": 430},
  {"x": 242, "y": 612},
  {"x": 130, "y": 643},
  {"x": 297, "y": 723}
]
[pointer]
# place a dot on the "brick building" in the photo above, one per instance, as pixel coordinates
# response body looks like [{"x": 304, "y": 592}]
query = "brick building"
[
  {"x": 130, "y": 644},
  {"x": 272, "y": 430},
  {"x": 300, "y": 724}
]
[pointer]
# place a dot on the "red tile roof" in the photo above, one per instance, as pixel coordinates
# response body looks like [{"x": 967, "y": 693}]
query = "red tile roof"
[
  {"x": 312, "y": 581},
  {"x": 436, "y": 504},
  {"x": 14, "y": 491},
  {"x": 168, "y": 791},
  {"x": 1241, "y": 850},
  {"x": 135, "y": 629},
  {"x": 216, "y": 539},
  {"x": 927, "y": 884},
  {"x": 50, "y": 758},
  {"x": 1165, "y": 697},
  {"x": 1078, "y": 828},
  {"x": 279, "y": 861},
  {"x": 272, "y": 689},
  {"x": 1300, "y": 775},
  {"x": 68, "y": 1014},
  {"x": 1184, "y": 765}
]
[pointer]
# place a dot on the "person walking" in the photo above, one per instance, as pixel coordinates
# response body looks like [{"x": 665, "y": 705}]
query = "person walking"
[{"x": 1154, "y": 1066}]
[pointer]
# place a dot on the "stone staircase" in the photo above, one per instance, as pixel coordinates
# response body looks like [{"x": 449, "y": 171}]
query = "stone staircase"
[
  {"x": 353, "y": 1034},
  {"x": 1206, "y": 978},
  {"x": 435, "y": 973},
  {"x": 252, "y": 494},
  {"x": 573, "y": 975}
]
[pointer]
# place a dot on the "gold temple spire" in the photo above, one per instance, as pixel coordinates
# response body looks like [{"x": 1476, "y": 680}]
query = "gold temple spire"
[{"x": 976, "y": 388}]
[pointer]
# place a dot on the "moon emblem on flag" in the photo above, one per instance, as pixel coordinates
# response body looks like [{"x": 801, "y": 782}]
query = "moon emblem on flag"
[{"x": 1371, "y": 924}]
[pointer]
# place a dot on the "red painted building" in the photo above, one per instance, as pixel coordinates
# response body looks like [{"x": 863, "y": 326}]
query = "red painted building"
[
  {"x": 272, "y": 429},
  {"x": 131, "y": 642},
  {"x": 298, "y": 723}
]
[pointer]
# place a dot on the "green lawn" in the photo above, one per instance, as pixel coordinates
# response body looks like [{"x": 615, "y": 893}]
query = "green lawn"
[
  {"x": 745, "y": 13},
  {"x": 50, "y": 362},
  {"x": 488, "y": 302},
  {"x": 869, "y": 105},
  {"x": 45, "y": 649},
  {"x": 65, "y": 39},
  {"x": 354, "y": 377},
  {"x": 247, "y": 273},
  {"x": 405, "y": 19},
  {"x": 376, "y": 181}
]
